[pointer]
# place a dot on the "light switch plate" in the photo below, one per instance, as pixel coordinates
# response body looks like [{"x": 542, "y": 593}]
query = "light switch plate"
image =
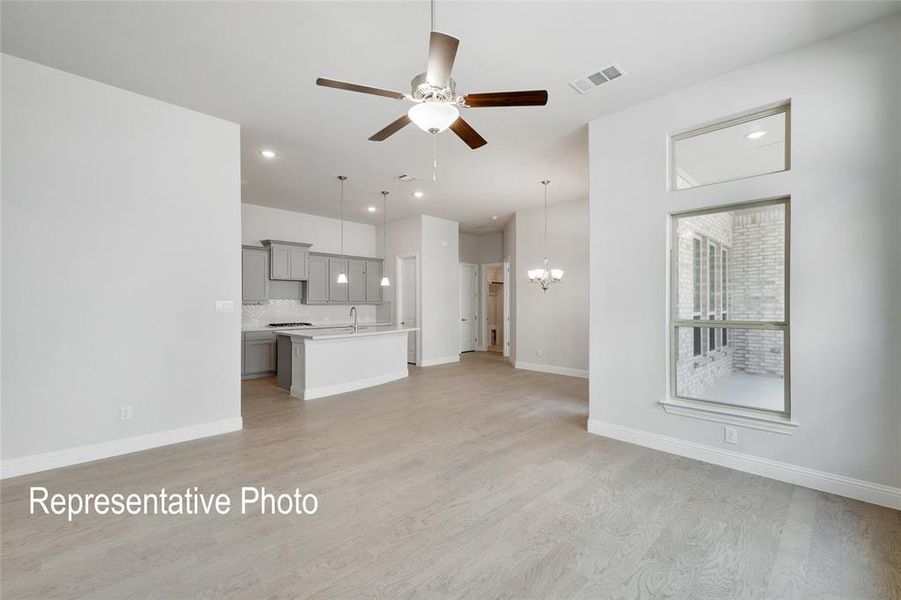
[
  {"x": 124, "y": 413},
  {"x": 225, "y": 305}
]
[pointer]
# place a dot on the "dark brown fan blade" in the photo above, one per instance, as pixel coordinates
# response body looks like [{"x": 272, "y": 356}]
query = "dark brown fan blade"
[
  {"x": 467, "y": 133},
  {"x": 390, "y": 130},
  {"x": 442, "y": 51},
  {"x": 363, "y": 89},
  {"x": 529, "y": 98}
]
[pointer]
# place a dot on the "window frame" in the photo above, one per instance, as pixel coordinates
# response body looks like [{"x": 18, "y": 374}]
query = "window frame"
[
  {"x": 783, "y": 107},
  {"x": 674, "y": 323}
]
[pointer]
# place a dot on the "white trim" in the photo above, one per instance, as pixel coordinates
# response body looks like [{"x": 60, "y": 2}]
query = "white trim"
[
  {"x": 35, "y": 463},
  {"x": 720, "y": 413},
  {"x": 583, "y": 373},
  {"x": 350, "y": 386},
  {"x": 866, "y": 491},
  {"x": 441, "y": 360}
]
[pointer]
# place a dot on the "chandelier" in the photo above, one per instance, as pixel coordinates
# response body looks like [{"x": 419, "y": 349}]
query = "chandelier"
[{"x": 544, "y": 276}]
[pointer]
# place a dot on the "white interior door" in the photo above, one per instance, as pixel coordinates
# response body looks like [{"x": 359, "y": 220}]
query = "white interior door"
[
  {"x": 407, "y": 295},
  {"x": 508, "y": 329},
  {"x": 469, "y": 307}
]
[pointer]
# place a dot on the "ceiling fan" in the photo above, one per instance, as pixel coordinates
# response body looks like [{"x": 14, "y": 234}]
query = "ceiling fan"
[{"x": 437, "y": 105}]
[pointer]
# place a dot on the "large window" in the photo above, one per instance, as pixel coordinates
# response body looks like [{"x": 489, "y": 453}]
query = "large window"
[{"x": 729, "y": 306}]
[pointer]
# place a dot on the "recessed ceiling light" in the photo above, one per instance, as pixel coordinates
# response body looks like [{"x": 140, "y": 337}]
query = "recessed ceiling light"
[
  {"x": 756, "y": 135},
  {"x": 418, "y": 194},
  {"x": 371, "y": 209},
  {"x": 494, "y": 217},
  {"x": 268, "y": 153}
]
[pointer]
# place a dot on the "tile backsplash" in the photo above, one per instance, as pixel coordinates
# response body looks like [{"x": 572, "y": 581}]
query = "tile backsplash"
[{"x": 293, "y": 311}]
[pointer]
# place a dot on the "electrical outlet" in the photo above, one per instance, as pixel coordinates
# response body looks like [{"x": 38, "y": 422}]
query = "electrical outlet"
[
  {"x": 225, "y": 305},
  {"x": 124, "y": 413},
  {"x": 538, "y": 353},
  {"x": 730, "y": 434}
]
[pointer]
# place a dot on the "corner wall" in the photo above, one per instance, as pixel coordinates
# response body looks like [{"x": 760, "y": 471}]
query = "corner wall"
[
  {"x": 121, "y": 229},
  {"x": 845, "y": 284},
  {"x": 552, "y": 326}
]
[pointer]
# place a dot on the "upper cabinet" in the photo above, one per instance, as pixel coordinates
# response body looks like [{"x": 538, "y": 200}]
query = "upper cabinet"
[
  {"x": 363, "y": 278},
  {"x": 337, "y": 292},
  {"x": 254, "y": 275},
  {"x": 288, "y": 261},
  {"x": 373, "y": 281},
  {"x": 317, "y": 280},
  {"x": 356, "y": 280}
]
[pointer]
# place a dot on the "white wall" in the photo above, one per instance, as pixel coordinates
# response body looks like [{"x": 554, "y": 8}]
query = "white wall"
[
  {"x": 262, "y": 223},
  {"x": 121, "y": 230},
  {"x": 481, "y": 249},
  {"x": 509, "y": 251},
  {"x": 440, "y": 272},
  {"x": 845, "y": 259},
  {"x": 491, "y": 248},
  {"x": 553, "y": 323},
  {"x": 469, "y": 248}
]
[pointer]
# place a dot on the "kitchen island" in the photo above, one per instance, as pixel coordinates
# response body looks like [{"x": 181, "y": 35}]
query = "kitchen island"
[{"x": 324, "y": 362}]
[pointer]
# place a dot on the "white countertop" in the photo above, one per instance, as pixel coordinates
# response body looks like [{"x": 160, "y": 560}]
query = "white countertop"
[
  {"x": 345, "y": 332},
  {"x": 320, "y": 326}
]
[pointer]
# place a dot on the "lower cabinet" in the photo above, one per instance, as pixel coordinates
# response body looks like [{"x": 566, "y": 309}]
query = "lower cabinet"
[{"x": 258, "y": 354}]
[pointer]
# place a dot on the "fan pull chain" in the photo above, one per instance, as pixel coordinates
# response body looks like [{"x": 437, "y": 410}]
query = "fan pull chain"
[{"x": 434, "y": 157}]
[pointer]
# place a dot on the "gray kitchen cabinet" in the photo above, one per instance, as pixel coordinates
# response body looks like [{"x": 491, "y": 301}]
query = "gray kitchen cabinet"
[
  {"x": 373, "y": 281},
  {"x": 317, "y": 280},
  {"x": 254, "y": 275},
  {"x": 288, "y": 260},
  {"x": 356, "y": 280},
  {"x": 258, "y": 354},
  {"x": 337, "y": 292},
  {"x": 363, "y": 278}
]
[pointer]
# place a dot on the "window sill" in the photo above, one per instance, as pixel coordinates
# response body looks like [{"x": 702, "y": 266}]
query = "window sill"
[{"x": 731, "y": 416}]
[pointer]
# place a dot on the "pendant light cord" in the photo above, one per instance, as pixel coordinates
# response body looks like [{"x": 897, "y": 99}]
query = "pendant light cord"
[
  {"x": 342, "y": 178},
  {"x": 545, "y": 182},
  {"x": 384, "y": 223}
]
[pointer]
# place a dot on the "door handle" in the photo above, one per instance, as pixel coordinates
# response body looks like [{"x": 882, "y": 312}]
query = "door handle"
[{"x": 462, "y": 319}]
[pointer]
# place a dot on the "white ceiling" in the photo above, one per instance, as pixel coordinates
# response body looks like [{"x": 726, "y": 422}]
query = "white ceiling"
[{"x": 256, "y": 63}]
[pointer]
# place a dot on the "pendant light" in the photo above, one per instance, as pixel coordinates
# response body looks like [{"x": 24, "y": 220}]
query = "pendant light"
[
  {"x": 385, "y": 281},
  {"x": 342, "y": 276},
  {"x": 544, "y": 276}
]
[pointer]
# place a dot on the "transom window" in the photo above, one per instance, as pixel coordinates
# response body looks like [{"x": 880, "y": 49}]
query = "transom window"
[
  {"x": 728, "y": 306},
  {"x": 754, "y": 143}
]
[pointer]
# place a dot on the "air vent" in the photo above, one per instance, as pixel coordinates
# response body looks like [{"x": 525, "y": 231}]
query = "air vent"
[
  {"x": 586, "y": 84},
  {"x": 406, "y": 177}
]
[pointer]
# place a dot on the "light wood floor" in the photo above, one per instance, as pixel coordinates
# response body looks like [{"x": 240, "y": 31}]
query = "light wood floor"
[{"x": 462, "y": 481}]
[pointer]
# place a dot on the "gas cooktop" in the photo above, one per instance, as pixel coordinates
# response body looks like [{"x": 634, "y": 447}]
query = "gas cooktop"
[{"x": 290, "y": 325}]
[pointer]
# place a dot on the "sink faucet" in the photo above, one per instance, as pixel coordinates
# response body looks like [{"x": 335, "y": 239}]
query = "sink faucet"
[{"x": 353, "y": 313}]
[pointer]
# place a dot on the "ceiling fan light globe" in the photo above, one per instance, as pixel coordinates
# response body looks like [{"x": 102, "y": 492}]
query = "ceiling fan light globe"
[{"x": 433, "y": 117}]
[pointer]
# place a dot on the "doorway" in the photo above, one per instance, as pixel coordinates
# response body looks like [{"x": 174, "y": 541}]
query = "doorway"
[
  {"x": 408, "y": 301},
  {"x": 494, "y": 330},
  {"x": 469, "y": 307}
]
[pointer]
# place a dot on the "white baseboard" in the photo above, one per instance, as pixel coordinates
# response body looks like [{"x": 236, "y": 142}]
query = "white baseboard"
[
  {"x": 441, "y": 360},
  {"x": 351, "y": 386},
  {"x": 35, "y": 463},
  {"x": 874, "y": 493},
  {"x": 583, "y": 373}
]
